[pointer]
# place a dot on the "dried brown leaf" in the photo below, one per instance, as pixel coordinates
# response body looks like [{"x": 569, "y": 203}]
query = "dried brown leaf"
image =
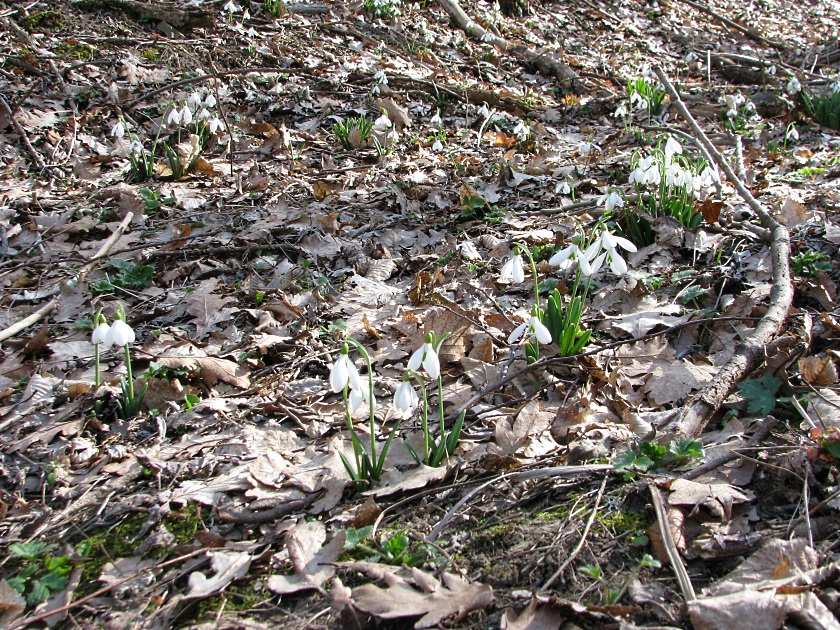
[
  {"x": 227, "y": 566},
  {"x": 312, "y": 559},
  {"x": 818, "y": 370}
]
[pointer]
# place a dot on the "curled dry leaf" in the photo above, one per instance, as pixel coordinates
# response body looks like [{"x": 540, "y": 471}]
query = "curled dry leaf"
[
  {"x": 227, "y": 566},
  {"x": 312, "y": 560},
  {"x": 818, "y": 370}
]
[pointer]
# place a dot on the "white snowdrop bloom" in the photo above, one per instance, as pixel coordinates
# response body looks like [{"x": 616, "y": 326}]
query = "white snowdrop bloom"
[
  {"x": 611, "y": 241},
  {"x": 483, "y": 112},
  {"x": 637, "y": 176},
  {"x": 215, "y": 124},
  {"x": 173, "y": 118},
  {"x": 436, "y": 120},
  {"x": 512, "y": 271},
  {"x": 672, "y": 148},
  {"x": 638, "y": 101},
  {"x": 521, "y": 131},
  {"x": 246, "y": 15},
  {"x": 358, "y": 396},
  {"x": 231, "y": 7},
  {"x": 194, "y": 100},
  {"x": 617, "y": 264},
  {"x": 375, "y": 89},
  {"x": 674, "y": 175},
  {"x": 186, "y": 115},
  {"x": 563, "y": 188},
  {"x": 771, "y": 70},
  {"x": 731, "y": 113},
  {"x": 468, "y": 250},
  {"x": 487, "y": 37},
  {"x": 835, "y": 87},
  {"x": 119, "y": 334},
  {"x": 794, "y": 86},
  {"x": 566, "y": 257},
  {"x": 136, "y": 146},
  {"x": 610, "y": 200},
  {"x": 535, "y": 329},
  {"x": 392, "y": 136},
  {"x": 437, "y": 147},
  {"x": 406, "y": 400},
  {"x": 588, "y": 269},
  {"x": 621, "y": 111},
  {"x": 792, "y": 133},
  {"x": 588, "y": 147},
  {"x": 343, "y": 373},
  {"x": 380, "y": 77},
  {"x": 100, "y": 334},
  {"x": 383, "y": 122},
  {"x": 203, "y": 115},
  {"x": 118, "y": 130},
  {"x": 653, "y": 175},
  {"x": 210, "y": 101},
  {"x": 426, "y": 356}
]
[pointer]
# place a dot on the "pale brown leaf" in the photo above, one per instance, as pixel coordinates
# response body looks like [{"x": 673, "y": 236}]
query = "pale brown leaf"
[{"x": 312, "y": 561}]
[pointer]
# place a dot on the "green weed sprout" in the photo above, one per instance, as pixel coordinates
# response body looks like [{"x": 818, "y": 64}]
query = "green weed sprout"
[
  {"x": 366, "y": 469},
  {"x": 42, "y": 574},
  {"x": 360, "y": 125},
  {"x": 610, "y": 596},
  {"x": 824, "y": 108},
  {"x": 406, "y": 401}
]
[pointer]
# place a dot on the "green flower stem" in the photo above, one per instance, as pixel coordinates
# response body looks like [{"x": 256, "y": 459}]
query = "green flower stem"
[
  {"x": 97, "y": 379},
  {"x": 424, "y": 421},
  {"x": 348, "y": 419},
  {"x": 366, "y": 357},
  {"x": 130, "y": 376}
]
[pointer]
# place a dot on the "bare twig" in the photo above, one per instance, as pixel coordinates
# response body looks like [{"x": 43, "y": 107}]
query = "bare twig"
[
  {"x": 759, "y": 436},
  {"x": 735, "y": 26},
  {"x": 670, "y": 548},
  {"x": 50, "y": 306},
  {"x": 24, "y": 138},
  {"x": 579, "y": 546},
  {"x": 706, "y": 402}
]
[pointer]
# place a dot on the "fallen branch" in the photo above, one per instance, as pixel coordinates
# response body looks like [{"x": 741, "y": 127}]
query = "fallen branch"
[
  {"x": 748, "y": 356},
  {"x": 759, "y": 436},
  {"x": 734, "y": 25},
  {"x": 249, "y": 517},
  {"x": 50, "y": 306},
  {"x": 548, "y": 66}
]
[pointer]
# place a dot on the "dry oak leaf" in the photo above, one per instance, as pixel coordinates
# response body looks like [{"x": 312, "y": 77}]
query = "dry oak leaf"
[
  {"x": 534, "y": 618},
  {"x": 312, "y": 560},
  {"x": 211, "y": 369},
  {"x": 12, "y": 603},
  {"x": 530, "y": 423},
  {"x": 818, "y": 370},
  {"x": 718, "y": 498},
  {"x": 439, "y": 601},
  {"x": 227, "y": 566}
]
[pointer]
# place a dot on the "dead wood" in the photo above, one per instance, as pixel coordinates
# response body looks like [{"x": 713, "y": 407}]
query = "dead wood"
[
  {"x": 175, "y": 15},
  {"x": 749, "y": 355},
  {"x": 542, "y": 62},
  {"x": 734, "y": 25}
]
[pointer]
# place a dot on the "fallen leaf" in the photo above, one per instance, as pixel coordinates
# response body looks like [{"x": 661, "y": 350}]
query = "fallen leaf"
[
  {"x": 400, "y": 599},
  {"x": 312, "y": 561},
  {"x": 818, "y": 370},
  {"x": 227, "y": 566},
  {"x": 534, "y": 617},
  {"x": 11, "y": 603},
  {"x": 211, "y": 369}
]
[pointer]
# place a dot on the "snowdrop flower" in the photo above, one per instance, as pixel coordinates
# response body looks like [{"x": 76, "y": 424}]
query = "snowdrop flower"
[
  {"x": 610, "y": 242},
  {"x": 621, "y": 110},
  {"x": 136, "y": 146},
  {"x": 638, "y": 101},
  {"x": 380, "y": 77},
  {"x": 383, "y": 122},
  {"x": 835, "y": 87},
  {"x": 100, "y": 334},
  {"x": 246, "y": 15},
  {"x": 468, "y": 250},
  {"x": 483, "y": 112},
  {"x": 215, "y": 124},
  {"x": 436, "y": 120},
  {"x": 119, "y": 334},
  {"x": 203, "y": 115},
  {"x": 231, "y": 7},
  {"x": 194, "y": 100},
  {"x": 674, "y": 175},
  {"x": 437, "y": 147},
  {"x": 186, "y": 115},
  {"x": 358, "y": 396},
  {"x": 392, "y": 136},
  {"x": 566, "y": 257},
  {"x": 563, "y": 188},
  {"x": 487, "y": 37},
  {"x": 771, "y": 70},
  {"x": 521, "y": 131},
  {"x": 344, "y": 373},
  {"x": 118, "y": 130},
  {"x": 210, "y": 101},
  {"x": 792, "y": 133},
  {"x": 513, "y": 270},
  {"x": 653, "y": 175},
  {"x": 588, "y": 268},
  {"x": 672, "y": 148},
  {"x": 406, "y": 399},
  {"x": 794, "y": 86},
  {"x": 587, "y": 147},
  {"x": 173, "y": 119},
  {"x": 610, "y": 200},
  {"x": 426, "y": 356},
  {"x": 535, "y": 328}
]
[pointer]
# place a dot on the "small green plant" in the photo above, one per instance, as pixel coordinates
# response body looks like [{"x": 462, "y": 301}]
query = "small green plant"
[
  {"x": 190, "y": 401},
  {"x": 647, "y": 95},
  {"x": 651, "y": 455},
  {"x": 406, "y": 401},
  {"x": 824, "y": 108},
  {"x": 119, "y": 334},
  {"x": 396, "y": 549},
  {"x": 153, "y": 200},
  {"x": 739, "y": 112},
  {"x": 760, "y": 394},
  {"x": 274, "y": 8},
  {"x": 378, "y": 9},
  {"x": 353, "y": 133},
  {"x": 608, "y": 595},
  {"x": 42, "y": 574},
  {"x": 810, "y": 262},
  {"x": 126, "y": 275}
]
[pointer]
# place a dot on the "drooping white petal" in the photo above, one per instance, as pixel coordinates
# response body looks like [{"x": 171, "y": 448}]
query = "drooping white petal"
[
  {"x": 517, "y": 332},
  {"x": 539, "y": 330},
  {"x": 624, "y": 244},
  {"x": 570, "y": 252},
  {"x": 617, "y": 264},
  {"x": 339, "y": 374},
  {"x": 431, "y": 362},
  {"x": 100, "y": 334},
  {"x": 119, "y": 334},
  {"x": 416, "y": 358}
]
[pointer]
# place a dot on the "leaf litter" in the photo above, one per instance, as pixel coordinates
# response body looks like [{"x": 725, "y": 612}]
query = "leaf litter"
[{"x": 261, "y": 243}]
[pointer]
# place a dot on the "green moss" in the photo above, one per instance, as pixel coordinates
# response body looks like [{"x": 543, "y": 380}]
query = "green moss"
[
  {"x": 77, "y": 50},
  {"x": 50, "y": 20},
  {"x": 238, "y": 596},
  {"x": 558, "y": 513},
  {"x": 624, "y": 521},
  {"x": 152, "y": 54}
]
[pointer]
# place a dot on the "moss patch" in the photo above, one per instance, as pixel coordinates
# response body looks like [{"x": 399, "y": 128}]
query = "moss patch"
[{"x": 43, "y": 21}]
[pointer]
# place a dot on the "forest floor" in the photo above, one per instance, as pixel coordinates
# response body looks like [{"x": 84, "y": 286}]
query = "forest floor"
[{"x": 256, "y": 186}]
